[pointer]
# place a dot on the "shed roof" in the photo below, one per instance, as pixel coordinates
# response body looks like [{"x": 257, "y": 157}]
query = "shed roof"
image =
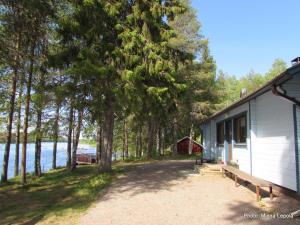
[
  {"x": 281, "y": 78},
  {"x": 187, "y": 137}
]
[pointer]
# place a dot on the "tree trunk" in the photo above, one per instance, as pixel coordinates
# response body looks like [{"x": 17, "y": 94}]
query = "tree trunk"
[
  {"x": 26, "y": 116},
  {"x": 38, "y": 142},
  {"x": 158, "y": 140},
  {"x": 175, "y": 128},
  {"x": 191, "y": 140},
  {"x": 107, "y": 143},
  {"x": 138, "y": 143},
  {"x": 73, "y": 131},
  {"x": 70, "y": 129},
  {"x": 18, "y": 128},
  {"x": 76, "y": 139},
  {"x": 163, "y": 141},
  {"x": 136, "y": 146},
  {"x": 56, "y": 132},
  {"x": 11, "y": 113},
  {"x": 39, "y": 133},
  {"x": 99, "y": 143},
  {"x": 125, "y": 139},
  {"x": 140, "y": 138},
  {"x": 150, "y": 143},
  {"x": 123, "y": 154}
]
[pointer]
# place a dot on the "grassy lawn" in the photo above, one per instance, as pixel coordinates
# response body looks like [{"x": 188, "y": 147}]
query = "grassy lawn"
[{"x": 59, "y": 196}]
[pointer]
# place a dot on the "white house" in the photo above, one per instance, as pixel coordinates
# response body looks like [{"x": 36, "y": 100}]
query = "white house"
[{"x": 261, "y": 132}]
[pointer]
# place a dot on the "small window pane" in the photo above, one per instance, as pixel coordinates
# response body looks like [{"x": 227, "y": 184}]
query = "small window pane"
[
  {"x": 240, "y": 129},
  {"x": 220, "y": 133},
  {"x": 228, "y": 131}
]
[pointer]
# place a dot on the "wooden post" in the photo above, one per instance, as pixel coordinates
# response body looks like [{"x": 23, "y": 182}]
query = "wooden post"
[
  {"x": 257, "y": 193},
  {"x": 271, "y": 192},
  {"x": 235, "y": 180}
]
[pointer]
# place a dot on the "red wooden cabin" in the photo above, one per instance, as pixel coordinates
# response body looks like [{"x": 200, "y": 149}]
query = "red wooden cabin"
[{"x": 183, "y": 146}]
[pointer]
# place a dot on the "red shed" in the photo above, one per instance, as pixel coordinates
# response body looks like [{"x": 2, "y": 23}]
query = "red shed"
[{"x": 183, "y": 146}]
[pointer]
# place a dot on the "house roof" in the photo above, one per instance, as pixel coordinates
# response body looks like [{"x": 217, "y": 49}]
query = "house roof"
[
  {"x": 296, "y": 60},
  {"x": 187, "y": 137},
  {"x": 281, "y": 78}
]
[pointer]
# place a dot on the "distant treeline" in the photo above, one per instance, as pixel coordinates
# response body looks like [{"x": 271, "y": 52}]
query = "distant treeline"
[{"x": 31, "y": 138}]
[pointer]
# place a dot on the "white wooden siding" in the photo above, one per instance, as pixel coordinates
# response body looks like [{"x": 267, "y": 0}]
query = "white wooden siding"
[
  {"x": 298, "y": 140},
  {"x": 253, "y": 128},
  {"x": 273, "y": 145}
]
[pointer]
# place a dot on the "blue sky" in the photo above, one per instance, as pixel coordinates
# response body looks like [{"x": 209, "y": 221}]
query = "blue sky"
[{"x": 250, "y": 34}]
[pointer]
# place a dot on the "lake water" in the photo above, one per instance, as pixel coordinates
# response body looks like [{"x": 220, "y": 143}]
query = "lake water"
[{"x": 46, "y": 156}]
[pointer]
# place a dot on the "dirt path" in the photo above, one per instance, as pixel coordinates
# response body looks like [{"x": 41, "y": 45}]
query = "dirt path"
[{"x": 170, "y": 193}]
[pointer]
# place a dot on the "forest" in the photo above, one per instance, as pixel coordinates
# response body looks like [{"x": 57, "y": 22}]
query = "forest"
[{"x": 131, "y": 76}]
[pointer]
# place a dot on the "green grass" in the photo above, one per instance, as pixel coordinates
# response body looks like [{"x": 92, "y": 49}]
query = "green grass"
[{"x": 56, "y": 194}]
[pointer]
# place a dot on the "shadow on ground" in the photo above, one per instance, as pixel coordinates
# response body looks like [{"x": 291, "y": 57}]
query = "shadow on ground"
[{"x": 152, "y": 177}]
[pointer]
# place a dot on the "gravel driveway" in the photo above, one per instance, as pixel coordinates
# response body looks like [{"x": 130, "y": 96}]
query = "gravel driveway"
[{"x": 170, "y": 193}]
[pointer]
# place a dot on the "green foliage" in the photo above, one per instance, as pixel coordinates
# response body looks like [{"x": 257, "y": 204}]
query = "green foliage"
[
  {"x": 232, "y": 87},
  {"x": 31, "y": 137},
  {"x": 277, "y": 68},
  {"x": 186, "y": 27},
  {"x": 4, "y": 89},
  {"x": 144, "y": 38},
  {"x": 199, "y": 95}
]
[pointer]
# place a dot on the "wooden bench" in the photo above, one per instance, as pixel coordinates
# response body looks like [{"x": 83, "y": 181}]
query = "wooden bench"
[{"x": 258, "y": 183}]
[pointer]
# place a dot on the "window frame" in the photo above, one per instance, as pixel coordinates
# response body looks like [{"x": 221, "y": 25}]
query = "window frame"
[
  {"x": 235, "y": 138},
  {"x": 219, "y": 142},
  {"x": 228, "y": 137}
]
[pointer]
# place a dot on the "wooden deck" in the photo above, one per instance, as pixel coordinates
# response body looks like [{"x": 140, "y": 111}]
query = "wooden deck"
[{"x": 257, "y": 182}]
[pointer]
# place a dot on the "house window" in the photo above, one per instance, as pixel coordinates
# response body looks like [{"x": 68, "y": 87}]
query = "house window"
[
  {"x": 228, "y": 131},
  {"x": 220, "y": 133},
  {"x": 240, "y": 129}
]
